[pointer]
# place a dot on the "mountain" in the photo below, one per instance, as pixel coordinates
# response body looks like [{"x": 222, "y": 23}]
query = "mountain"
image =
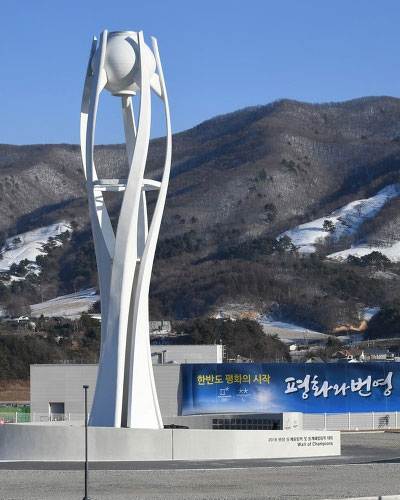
[
  {"x": 304, "y": 158},
  {"x": 237, "y": 182}
]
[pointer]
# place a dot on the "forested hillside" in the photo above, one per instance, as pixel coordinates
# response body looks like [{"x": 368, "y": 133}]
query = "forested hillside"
[{"x": 238, "y": 182}]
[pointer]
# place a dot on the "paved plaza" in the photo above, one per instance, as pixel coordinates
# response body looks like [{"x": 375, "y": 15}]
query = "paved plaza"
[{"x": 369, "y": 465}]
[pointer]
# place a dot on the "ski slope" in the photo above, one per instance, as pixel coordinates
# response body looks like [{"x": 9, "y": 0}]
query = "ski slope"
[
  {"x": 289, "y": 332},
  {"x": 68, "y": 306},
  {"x": 346, "y": 221},
  {"x": 31, "y": 244}
]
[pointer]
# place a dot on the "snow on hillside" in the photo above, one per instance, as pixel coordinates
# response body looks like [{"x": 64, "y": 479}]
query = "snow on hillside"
[
  {"x": 291, "y": 333},
  {"x": 288, "y": 332},
  {"x": 392, "y": 252},
  {"x": 346, "y": 220},
  {"x": 29, "y": 245},
  {"x": 69, "y": 306},
  {"x": 369, "y": 312}
]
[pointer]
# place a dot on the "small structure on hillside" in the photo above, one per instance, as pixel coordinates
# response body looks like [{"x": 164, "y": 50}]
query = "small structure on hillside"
[
  {"x": 378, "y": 354},
  {"x": 162, "y": 327},
  {"x": 348, "y": 355}
]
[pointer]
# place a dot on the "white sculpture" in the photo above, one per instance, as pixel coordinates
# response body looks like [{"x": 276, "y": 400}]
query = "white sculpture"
[{"x": 125, "y": 392}]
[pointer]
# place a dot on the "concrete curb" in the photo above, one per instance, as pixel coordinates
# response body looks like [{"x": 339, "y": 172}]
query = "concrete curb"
[{"x": 384, "y": 497}]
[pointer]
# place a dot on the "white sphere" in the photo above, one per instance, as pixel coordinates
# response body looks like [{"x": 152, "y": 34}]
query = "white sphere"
[{"x": 122, "y": 63}]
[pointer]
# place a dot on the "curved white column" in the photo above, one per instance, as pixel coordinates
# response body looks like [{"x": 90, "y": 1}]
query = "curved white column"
[
  {"x": 125, "y": 391},
  {"x": 140, "y": 348},
  {"x": 101, "y": 224}
]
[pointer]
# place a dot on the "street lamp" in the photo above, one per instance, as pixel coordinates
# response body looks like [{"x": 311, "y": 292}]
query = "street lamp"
[{"x": 86, "y": 497}]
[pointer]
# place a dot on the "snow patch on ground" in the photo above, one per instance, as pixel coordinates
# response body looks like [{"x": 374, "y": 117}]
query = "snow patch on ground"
[
  {"x": 369, "y": 312},
  {"x": 288, "y": 332},
  {"x": 346, "y": 220},
  {"x": 69, "y": 306},
  {"x": 31, "y": 244},
  {"x": 266, "y": 320},
  {"x": 391, "y": 252}
]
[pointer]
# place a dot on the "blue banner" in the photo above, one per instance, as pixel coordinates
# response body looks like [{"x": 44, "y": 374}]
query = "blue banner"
[{"x": 285, "y": 387}]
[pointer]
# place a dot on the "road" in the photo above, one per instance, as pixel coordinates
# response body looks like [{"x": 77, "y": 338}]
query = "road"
[{"x": 369, "y": 465}]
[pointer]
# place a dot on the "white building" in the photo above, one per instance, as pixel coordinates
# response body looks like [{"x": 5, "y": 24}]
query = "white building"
[{"x": 57, "y": 392}]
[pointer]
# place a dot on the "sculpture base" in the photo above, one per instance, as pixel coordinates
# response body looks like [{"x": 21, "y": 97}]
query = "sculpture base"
[{"x": 61, "y": 441}]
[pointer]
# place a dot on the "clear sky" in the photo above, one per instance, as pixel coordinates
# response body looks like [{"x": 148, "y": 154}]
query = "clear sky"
[{"x": 217, "y": 55}]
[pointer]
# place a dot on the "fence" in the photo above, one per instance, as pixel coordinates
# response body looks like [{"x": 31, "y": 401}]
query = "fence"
[
  {"x": 351, "y": 421},
  {"x": 311, "y": 421},
  {"x": 20, "y": 418}
]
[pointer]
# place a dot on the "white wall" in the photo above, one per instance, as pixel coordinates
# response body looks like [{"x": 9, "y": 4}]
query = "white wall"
[
  {"x": 54, "y": 441},
  {"x": 63, "y": 383}
]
